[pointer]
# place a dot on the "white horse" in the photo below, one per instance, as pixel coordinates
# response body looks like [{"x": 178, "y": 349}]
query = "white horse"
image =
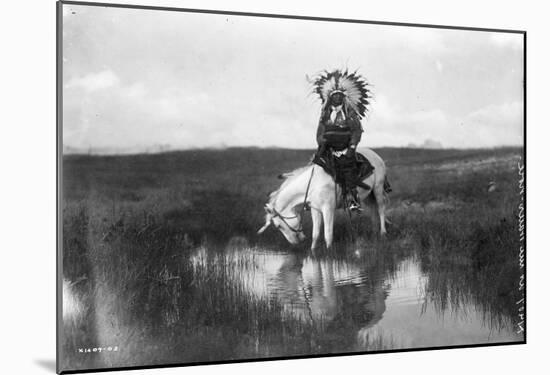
[{"x": 312, "y": 186}]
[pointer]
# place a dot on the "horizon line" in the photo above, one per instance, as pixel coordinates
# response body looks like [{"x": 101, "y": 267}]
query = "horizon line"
[{"x": 159, "y": 150}]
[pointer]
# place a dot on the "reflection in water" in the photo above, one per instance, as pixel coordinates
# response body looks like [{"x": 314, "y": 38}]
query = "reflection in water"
[
  {"x": 356, "y": 302},
  {"x": 72, "y": 306}
]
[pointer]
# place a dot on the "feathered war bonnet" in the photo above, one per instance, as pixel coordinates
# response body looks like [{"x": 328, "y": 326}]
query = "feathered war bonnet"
[{"x": 352, "y": 85}]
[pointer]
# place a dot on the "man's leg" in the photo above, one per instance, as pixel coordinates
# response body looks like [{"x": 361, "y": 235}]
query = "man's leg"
[
  {"x": 350, "y": 175},
  {"x": 354, "y": 202}
]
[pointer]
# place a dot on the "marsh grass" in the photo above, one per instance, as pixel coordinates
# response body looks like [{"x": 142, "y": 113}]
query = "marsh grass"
[{"x": 132, "y": 225}]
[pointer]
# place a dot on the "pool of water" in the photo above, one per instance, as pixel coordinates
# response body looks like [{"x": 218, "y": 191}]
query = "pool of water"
[{"x": 376, "y": 304}]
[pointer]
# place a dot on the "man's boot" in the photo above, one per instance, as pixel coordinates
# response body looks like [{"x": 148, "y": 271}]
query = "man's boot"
[{"x": 355, "y": 203}]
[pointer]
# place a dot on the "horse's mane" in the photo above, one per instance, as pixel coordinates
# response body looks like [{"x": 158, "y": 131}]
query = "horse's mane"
[{"x": 288, "y": 177}]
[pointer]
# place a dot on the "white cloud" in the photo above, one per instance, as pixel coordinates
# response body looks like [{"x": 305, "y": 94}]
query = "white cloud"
[
  {"x": 241, "y": 80},
  {"x": 497, "y": 124},
  {"x": 390, "y": 125},
  {"x": 490, "y": 126},
  {"x": 439, "y": 66},
  {"x": 419, "y": 38},
  {"x": 513, "y": 40},
  {"x": 94, "y": 81}
]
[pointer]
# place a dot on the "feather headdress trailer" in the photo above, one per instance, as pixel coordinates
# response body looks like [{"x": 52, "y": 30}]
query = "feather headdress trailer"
[{"x": 352, "y": 85}]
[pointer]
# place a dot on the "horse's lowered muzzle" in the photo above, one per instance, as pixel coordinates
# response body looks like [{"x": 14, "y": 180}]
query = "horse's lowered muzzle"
[{"x": 262, "y": 229}]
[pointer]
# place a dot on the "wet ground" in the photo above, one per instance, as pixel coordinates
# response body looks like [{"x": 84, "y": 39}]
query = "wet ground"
[
  {"x": 162, "y": 261},
  {"x": 387, "y": 309}
]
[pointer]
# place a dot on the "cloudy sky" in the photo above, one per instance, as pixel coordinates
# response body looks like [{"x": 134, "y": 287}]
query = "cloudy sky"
[{"x": 137, "y": 80}]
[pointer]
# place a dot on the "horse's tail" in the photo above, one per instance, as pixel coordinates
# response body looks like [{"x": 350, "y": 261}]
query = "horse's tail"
[
  {"x": 386, "y": 193},
  {"x": 387, "y": 190}
]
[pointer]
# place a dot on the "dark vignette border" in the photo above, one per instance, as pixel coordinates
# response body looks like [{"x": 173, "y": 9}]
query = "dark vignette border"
[
  {"x": 59, "y": 180},
  {"x": 524, "y": 244},
  {"x": 59, "y": 175}
]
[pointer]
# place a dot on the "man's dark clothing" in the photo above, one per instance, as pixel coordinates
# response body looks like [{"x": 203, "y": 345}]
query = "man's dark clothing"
[{"x": 340, "y": 131}]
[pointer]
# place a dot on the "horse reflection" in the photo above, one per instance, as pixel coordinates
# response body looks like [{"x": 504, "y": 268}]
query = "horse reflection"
[{"x": 342, "y": 295}]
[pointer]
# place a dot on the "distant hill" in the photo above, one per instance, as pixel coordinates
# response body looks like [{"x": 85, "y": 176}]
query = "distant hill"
[
  {"x": 428, "y": 143},
  {"x": 70, "y": 150}
]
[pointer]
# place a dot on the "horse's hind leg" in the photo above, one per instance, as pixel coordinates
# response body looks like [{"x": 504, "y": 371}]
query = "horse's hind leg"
[
  {"x": 316, "y": 221},
  {"x": 328, "y": 219},
  {"x": 380, "y": 198}
]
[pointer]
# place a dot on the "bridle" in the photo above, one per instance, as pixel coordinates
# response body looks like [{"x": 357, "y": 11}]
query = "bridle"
[{"x": 284, "y": 219}]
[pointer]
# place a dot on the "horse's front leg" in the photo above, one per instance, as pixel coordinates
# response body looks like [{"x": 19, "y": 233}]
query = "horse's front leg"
[
  {"x": 328, "y": 218},
  {"x": 381, "y": 208},
  {"x": 316, "y": 221}
]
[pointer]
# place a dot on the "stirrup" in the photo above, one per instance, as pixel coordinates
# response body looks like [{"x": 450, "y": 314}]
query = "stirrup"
[{"x": 355, "y": 207}]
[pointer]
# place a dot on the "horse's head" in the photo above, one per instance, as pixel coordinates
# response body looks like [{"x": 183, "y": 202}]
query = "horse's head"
[{"x": 289, "y": 225}]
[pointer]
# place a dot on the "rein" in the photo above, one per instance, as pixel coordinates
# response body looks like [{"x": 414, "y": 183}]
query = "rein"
[{"x": 284, "y": 218}]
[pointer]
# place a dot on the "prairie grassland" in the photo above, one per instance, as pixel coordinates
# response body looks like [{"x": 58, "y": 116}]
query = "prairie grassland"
[{"x": 131, "y": 225}]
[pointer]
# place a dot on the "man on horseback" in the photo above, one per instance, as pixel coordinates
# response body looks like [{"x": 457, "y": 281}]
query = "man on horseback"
[{"x": 345, "y": 97}]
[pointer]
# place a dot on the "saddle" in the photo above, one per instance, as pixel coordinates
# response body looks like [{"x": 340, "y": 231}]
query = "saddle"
[{"x": 341, "y": 168}]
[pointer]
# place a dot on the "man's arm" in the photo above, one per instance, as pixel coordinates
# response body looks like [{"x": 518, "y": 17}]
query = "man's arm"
[
  {"x": 356, "y": 131},
  {"x": 321, "y": 133}
]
